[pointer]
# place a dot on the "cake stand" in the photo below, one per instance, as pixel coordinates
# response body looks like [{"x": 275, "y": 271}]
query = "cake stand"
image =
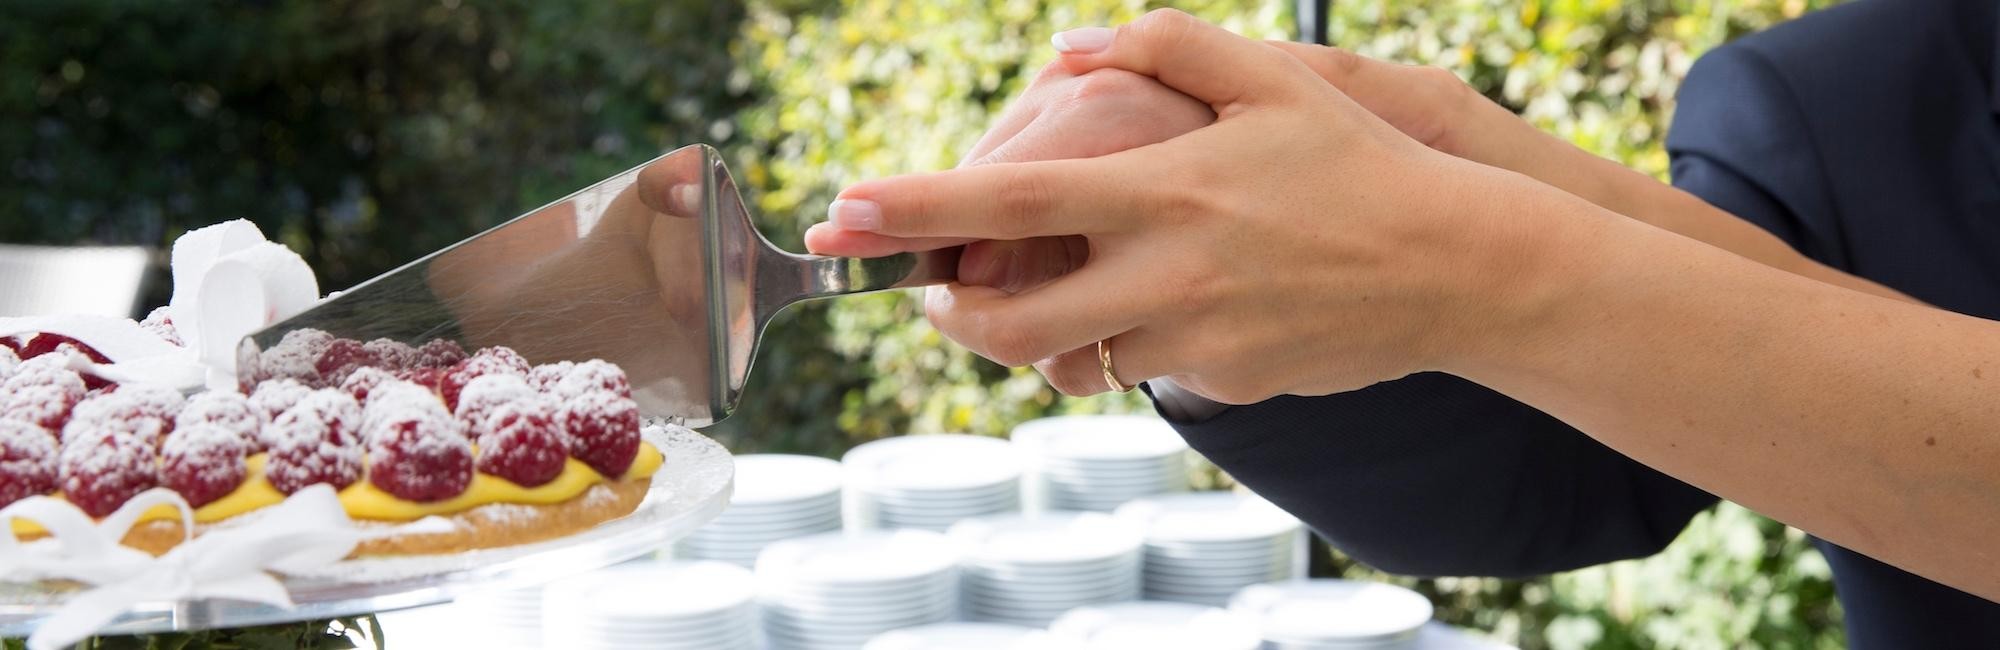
[{"x": 691, "y": 488}]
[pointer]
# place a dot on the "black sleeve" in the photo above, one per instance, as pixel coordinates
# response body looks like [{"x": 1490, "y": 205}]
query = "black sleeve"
[{"x": 1435, "y": 475}]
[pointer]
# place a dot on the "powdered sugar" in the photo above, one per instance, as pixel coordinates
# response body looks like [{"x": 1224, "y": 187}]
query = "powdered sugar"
[
  {"x": 544, "y": 377},
  {"x": 101, "y": 470},
  {"x": 42, "y": 390},
  {"x": 362, "y": 380},
  {"x": 203, "y": 462},
  {"x": 603, "y": 430},
  {"x": 8, "y": 360},
  {"x": 228, "y": 410},
  {"x": 315, "y": 441},
  {"x": 595, "y": 374},
  {"x": 419, "y": 456},
  {"x": 273, "y": 397},
  {"x": 521, "y": 442},
  {"x": 28, "y": 461},
  {"x": 391, "y": 354},
  {"x": 145, "y": 411},
  {"x": 295, "y": 357},
  {"x": 486, "y": 393},
  {"x": 160, "y": 322}
]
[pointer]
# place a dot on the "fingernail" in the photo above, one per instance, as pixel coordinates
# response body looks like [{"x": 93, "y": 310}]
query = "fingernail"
[
  {"x": 689, "y": 197},
  {"x": 1084, "y": 40},
  {"x": 855, "y": 214}
]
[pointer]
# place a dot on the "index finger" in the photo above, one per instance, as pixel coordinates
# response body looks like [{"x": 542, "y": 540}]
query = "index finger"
[{"x": 1000, "y": 201}]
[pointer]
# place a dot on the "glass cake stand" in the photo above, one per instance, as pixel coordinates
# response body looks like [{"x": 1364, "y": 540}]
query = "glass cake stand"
[{"x": 691, "y": 488}]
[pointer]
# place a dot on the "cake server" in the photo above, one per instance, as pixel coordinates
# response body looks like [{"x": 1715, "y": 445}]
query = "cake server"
[{"x": 658, "y": 269}]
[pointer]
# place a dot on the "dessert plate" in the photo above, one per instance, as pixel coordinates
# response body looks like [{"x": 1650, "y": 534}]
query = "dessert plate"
[{"x": 688, "y": 490}]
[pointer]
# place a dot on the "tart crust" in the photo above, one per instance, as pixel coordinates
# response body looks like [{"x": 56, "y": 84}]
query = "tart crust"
[{"x": 492, "y": 525}]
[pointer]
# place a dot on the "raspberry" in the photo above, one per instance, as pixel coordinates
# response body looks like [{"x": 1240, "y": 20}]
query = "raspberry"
[
  {"x": 45, "y": 343},
  {"x": 295, "y": 357},
  {"x": 395, "y": 397},
  {"x": 8, "y": 360},
  {"x": 272, "y": 398},
  {"x": 544, "y": 377},
  {"x": 11, "y": 344},
  {"x": 340, "y": 358},
  {"x": 391, "y": 354},
  {"x": 595, "y": 374},
  {"x": 489, "y": 361},
  {"x": 230, "y": 411},
  {"x": 484, "y": 394},
  {"x": 100, "y": 471},
  {"x": 144, "y": 411},
  {"x": 315, "y": 441},
  {"x": 603, "y": 430},
  {"x": 362, "y": 380},
  {"x": 27, "y": 461},
  {"x": 42, "y": 390},
  {"x": 429, "y": 378},
  {"x": 522, "y": 443},
  {"x": 419, "y": 457},
  {"x": 203, "y": 462},
  {"x": 438, "y": 353},
  {"x": 161, "y": 323}
]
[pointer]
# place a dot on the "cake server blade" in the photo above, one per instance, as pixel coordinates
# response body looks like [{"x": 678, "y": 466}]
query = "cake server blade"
[{"x": 658, "y": 269}]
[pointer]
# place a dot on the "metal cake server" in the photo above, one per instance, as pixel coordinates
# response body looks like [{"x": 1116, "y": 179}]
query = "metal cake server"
[{"x": 658, "y": 269}]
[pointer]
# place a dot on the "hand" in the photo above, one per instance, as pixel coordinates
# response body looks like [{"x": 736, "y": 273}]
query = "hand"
[
  {"x": 1061, "y": 115},
  {"x": 1299, "y": 245}
]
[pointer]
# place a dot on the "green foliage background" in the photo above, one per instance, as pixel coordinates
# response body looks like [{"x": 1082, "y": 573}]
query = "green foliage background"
[{"x": 367, "y": 132}]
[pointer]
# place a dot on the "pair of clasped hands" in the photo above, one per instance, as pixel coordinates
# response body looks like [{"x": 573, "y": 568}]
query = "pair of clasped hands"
[{"x": 1243, "y": 219}]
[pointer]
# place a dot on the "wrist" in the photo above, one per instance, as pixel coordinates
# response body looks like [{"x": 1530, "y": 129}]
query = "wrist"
[{"x": 1530, "y": 274}]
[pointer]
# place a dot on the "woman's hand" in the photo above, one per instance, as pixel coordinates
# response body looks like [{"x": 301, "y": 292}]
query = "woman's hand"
[{"x": 1299, "y": 245}]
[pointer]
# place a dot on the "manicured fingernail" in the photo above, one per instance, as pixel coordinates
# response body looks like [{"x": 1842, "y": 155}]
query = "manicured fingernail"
[
  {"x": 689, "y": 198},
  {"x": 855, "y": 214},
  {"x": 1083, "y": 40}
]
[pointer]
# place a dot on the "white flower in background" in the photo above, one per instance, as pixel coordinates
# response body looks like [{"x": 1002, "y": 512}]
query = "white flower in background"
[{"x": 229, "y": 281}]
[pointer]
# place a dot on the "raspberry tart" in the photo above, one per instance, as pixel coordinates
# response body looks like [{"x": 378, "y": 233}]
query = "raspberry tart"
[{"x": 507, "y": 451}]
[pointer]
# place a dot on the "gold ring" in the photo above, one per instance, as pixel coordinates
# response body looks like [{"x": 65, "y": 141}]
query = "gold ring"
[{"x": 1104, "y": 359}]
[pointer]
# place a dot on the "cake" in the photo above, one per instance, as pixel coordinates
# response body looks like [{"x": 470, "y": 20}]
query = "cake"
[{"x": 507, "y": 451}]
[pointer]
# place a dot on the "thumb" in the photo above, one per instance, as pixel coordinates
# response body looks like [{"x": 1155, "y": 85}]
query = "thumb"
[{"x": 1199, "y": 59}]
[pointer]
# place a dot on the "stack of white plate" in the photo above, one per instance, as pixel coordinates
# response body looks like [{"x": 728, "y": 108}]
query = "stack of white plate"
[
  {"x": 510, "y": 618},
  {"x": 929, "y": 482},
  {"x": 778, "y": 496},
  {"x": 1201, "y": 548},
  {"x": 962, "y": 636},
  {"x": 654, "y": 605},
  {"x": 1154, "y": 625},
  {"x": 838, "y": 591},
  {"x": 1029, "y": 569},
  {"x": 1343, "y": 614},
  {"x": 1098, "y": 462}
]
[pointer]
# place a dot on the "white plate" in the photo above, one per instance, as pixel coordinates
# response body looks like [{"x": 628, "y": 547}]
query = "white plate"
[
  {"x": 960, "y": 636},
  {"x": 1209, "y": 517},
  {"x": 785, "y": 478},
  {"x": 660, "y": 590},
  {"x": 1067, "y": 538},
  {"x": 1307, "y": 611},
  {"x": 1099, "y": 437},
  {"x": 935, "y": 462},
  {"x": 861, "y": 558},
  {"x": 1155, "y": 624}
]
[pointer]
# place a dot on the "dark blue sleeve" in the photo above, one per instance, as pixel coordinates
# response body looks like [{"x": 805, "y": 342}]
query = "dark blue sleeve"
[
  {"x": 1435, "y": 475},
  {"x": 1739, "y": 141}
]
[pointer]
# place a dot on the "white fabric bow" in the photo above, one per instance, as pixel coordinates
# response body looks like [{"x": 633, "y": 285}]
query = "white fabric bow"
[
  {"x": 308, "y": 530},
  {"x": 229, "y": 281}
]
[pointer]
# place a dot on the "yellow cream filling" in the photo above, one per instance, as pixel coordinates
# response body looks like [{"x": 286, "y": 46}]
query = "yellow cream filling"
[{"x": 364, "y": 501}]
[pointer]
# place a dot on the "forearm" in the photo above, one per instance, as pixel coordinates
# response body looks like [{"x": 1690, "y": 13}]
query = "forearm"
[
  {"x": 1507, "y": 142},
  {"x": 1867, "y": 421}
]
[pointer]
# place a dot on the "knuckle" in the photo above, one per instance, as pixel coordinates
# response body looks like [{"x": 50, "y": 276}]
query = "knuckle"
[
  {"x": 1010, "y": 345},
  {"x": 1050, "y": 72},
  {"x": 1342, "y": 63},
  {"x": 1065, "y": 376},
  {"x": 1024, "y": 200},
  {"x": 1107, "y": 82}
]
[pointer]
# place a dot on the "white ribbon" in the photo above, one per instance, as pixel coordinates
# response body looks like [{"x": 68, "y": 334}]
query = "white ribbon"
[{"x": 307, "y": 531}]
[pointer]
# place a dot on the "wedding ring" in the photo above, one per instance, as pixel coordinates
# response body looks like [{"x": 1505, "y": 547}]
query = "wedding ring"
[{"x": 1104, "y": 359}]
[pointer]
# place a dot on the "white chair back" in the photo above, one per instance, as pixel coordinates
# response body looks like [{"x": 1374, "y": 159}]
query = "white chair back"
[{"x": 44, "y": 280}]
